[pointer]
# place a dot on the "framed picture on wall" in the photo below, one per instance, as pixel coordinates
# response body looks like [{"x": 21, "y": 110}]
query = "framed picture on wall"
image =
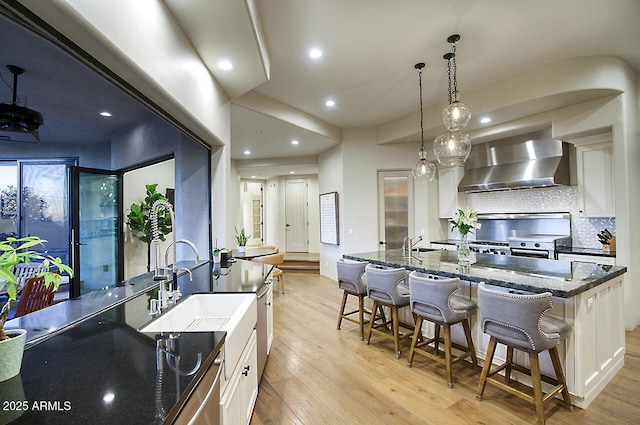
[{"x": 329, "y": 218}]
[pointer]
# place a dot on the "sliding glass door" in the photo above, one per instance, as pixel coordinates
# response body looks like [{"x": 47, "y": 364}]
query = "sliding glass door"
[{"x": 96, "y": 229}]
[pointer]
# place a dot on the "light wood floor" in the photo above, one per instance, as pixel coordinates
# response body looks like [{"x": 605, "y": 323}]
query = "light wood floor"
[{"x": 316, "y": 374}]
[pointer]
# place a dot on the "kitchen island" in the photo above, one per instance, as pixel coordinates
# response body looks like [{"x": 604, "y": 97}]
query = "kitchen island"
[
  {"x": 102, "y": 370},
  {"x": 588, "y": 296}
]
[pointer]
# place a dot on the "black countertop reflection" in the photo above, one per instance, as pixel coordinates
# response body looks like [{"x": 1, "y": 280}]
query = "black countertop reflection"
[
  {"x": 239, "y": 276},
  {"x": 562, "y": 278},
  {"x": 103, "y": 371},
  {"x": 576, "y": 250}
]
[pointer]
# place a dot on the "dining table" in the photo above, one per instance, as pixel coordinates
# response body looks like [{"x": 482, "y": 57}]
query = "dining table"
[{"x": 250, "y": 253}]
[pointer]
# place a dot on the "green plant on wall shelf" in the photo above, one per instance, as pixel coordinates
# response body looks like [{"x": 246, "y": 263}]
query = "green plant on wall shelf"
[
  {"x": 139, "y": 219},
  {"x": 16, "y": 251}
]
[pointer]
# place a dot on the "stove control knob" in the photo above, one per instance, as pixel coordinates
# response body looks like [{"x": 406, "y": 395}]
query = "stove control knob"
[
  {"x": 523, "y": 244},
  {"x": 503, "y": 253},
  {"x": 537, "y": 245}
]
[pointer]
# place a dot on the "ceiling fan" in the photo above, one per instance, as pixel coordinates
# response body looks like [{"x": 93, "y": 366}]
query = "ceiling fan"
[{"x": 19, "y": 119}]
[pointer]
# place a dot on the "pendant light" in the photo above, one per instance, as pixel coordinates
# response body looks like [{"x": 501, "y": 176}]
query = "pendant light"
[
  {"x": 422, "y": 170},
  {"x": 453, "y": 147}
]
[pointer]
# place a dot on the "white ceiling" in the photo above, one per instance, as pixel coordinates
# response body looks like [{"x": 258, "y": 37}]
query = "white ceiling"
[{"x": 370, "y": 48}]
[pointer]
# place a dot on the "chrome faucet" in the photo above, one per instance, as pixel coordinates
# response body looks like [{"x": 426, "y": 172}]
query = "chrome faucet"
[
  {"x": 407, "y": 243},
  {"x": 166, "y": 295},
  {"x": 186, "y": 242}
]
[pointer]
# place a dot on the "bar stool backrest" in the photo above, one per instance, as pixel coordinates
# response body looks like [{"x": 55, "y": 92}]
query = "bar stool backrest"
[
  {"x": 431, "y": 297},
  {"x": 382, "y": 284},
  {"x": 515, "y": 318},
  {"x": 350, "y": 276}
]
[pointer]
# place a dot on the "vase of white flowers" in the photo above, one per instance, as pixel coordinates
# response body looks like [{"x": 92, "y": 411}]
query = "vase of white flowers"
[{"x": 465, "y": 221}]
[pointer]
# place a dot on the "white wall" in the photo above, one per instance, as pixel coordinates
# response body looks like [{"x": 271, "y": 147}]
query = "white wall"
[
  {"x": 358, "y": 160},
  {"x": 331, "y": 179},
  {"x": 134, "y": 191}
]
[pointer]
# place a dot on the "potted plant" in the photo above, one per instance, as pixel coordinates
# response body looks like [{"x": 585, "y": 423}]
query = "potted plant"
[
  {"x": 216, "y": 254},
  {"x": 139, "y": 219},
  {"x": 15, "y": 251},
  {"x": 241, "y": 239}
]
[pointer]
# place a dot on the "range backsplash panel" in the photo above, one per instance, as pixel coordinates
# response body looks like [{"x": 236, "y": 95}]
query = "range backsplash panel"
[{"x": 550, "y": 199}]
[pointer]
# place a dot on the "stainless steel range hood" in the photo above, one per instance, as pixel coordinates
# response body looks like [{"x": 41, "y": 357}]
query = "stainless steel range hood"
[{"x": 528, "y": 160}]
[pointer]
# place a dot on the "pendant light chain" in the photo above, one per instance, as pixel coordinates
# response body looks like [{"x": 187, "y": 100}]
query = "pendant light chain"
[
  {"x": 455, "y": 73},
  {"x": 421, "y": 114},
  {"x": 449, "y": 77}
]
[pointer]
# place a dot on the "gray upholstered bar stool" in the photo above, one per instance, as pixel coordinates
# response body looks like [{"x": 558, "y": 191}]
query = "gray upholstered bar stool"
[
  {"x": 387, "y": 287},
  {"x": 433, "y": 299},
  {"x": 518, "y": 321},
  {"x": 351, "y": 281}
]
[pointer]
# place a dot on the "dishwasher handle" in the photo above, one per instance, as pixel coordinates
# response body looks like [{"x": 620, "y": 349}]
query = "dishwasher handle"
[{"x": 263, "y": 291}]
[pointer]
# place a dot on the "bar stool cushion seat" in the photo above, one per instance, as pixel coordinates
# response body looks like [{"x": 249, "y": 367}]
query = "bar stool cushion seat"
[{"x": 552, "y": 326}]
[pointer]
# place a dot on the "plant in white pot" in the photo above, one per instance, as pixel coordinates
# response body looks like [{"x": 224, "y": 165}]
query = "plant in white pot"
[
  {"x": 15, "y": 251},
  {"x": 241, "y": 239}
]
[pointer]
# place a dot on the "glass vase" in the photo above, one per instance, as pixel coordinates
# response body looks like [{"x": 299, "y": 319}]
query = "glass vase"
[{"x": 464, "y": 253}]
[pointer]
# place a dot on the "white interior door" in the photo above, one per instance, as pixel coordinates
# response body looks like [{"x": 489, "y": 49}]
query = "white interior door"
[
  {"x": 395, "y": 207},
  {"x": 296, "y": 210}
]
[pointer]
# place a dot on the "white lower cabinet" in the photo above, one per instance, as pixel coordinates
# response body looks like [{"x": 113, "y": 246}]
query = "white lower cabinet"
[{"x": 240, "y": 393}]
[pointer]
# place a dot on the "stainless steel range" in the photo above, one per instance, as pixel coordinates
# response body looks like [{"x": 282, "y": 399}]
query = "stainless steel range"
[
  {"x": 524, "y": 235},
  {"x": 490, "y": 247},
  {"x": 537, "y": 246}
]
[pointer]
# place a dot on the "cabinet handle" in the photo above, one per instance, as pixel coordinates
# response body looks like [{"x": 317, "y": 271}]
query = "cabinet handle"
[{"x": 245, "y": 372}]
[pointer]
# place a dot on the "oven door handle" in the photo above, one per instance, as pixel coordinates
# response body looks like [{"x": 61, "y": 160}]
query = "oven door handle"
[{"x": 535, "y": 253}]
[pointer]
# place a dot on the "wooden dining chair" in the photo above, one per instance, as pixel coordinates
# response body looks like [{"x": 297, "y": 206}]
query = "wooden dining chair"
[
  {"x": 275, "y": 260},
  {"x": 35, "y": 296}
]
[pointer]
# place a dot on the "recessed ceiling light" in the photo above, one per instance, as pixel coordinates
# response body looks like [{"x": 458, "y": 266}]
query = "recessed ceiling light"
[
  {"x": 292, "y": 172},
  {"x": 105, "y": 114},
  {"x": 225, "y": 65},
  {"x": 247, "y": 152},
  {"x": 315, "y": 53},
  {"x": 295, "y": 142},
  {"x": 485, "y": 120},
  {"x": 253, "y": 177},
  {"x": 330, "y": 103}
]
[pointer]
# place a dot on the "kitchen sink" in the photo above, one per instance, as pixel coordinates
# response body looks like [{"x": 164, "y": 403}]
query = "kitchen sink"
[{"x": 236, "y": 314}]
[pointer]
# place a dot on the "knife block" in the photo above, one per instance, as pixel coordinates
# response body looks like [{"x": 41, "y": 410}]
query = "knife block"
[{"x": 611, "y": 246}]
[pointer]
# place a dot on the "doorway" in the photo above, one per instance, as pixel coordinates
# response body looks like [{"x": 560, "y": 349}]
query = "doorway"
[
  {"x": 134, "y": 184},
  {"x": 296, "y": 211},
  {"x": 95, "y": 235},
  {"x": 395, "y": 207},
  {"x": 35, "y": 201},
  {"x": 251, "y": 197}
]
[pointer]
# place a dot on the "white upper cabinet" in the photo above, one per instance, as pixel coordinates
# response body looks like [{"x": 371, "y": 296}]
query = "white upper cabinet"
[
  {"x": 594, "y": 163},
  {"x": 448, "y": 197}
]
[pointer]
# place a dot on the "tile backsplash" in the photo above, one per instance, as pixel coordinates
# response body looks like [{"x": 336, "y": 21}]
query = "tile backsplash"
[{"x": 550, "y": 199}]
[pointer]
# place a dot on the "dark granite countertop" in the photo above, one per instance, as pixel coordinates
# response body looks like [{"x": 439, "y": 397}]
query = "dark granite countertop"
[
  {"x": 562, "y": 278},
  {"x": 447, "y": 242},
  {"x": 101, "y": 370},
  {"x": 585, "y": 251}
]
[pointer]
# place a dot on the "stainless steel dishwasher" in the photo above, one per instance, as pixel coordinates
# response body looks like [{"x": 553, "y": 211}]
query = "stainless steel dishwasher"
[
  {"x": 203, "y": 406},
  {"x": 261, "y": 327}
]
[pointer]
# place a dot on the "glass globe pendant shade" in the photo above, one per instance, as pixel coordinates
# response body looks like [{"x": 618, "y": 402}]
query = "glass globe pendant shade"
[
  {"x": 423, "y": 170},
  {"x": 452, "y": 148},
  {"x": 456, "y": 116}
]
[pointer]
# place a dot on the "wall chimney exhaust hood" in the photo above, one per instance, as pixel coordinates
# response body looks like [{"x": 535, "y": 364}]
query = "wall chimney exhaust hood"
[{"x": 524, "y": 161}]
